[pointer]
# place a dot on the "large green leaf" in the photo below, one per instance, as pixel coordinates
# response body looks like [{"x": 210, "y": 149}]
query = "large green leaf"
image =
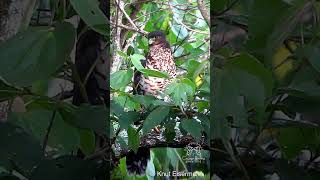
[
  {"x": 86, "y": 117},
  {"x": 133, "y": 139},
  {"x": 87, "y": 141},
  {"x": 136, "y": 61},
  {"x": 225, "y": 104},
  {"x": 262, "y": 21},
  {"x": 126, "y": 101},
  {"x": 286, "y": 23},
  {"x": 65, "y": 168},
  {"x": 304, "y": 84},
  {"x": 18, "y": 147},
  {"x": 145, "y": 100},
  {"x": 124, "y": 118},
  {"x": 155, "y": 118},
  {"x": 63, "y": 138},
  {"x": 251, "y": 65},
  {"x": 181, "y": 90},
  {"x": 121, "y": 78},
  {"x": 193, "y": 127},
  {"x": 91, "y": 14},
  {"x": 244, "y": 85},
  {"x": 293, "y": 140},
  {"x": 313, "y": 53},
  {"x": 36, "y": 53}
]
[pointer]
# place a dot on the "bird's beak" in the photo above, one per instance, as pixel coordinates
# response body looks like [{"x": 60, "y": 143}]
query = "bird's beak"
[{"x": 151, "y": 41}]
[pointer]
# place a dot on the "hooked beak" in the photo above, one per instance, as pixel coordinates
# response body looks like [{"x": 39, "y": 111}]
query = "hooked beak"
[{"x": 151, "y": 41}]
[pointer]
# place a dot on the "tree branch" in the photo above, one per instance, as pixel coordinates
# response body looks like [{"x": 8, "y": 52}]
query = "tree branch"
[
  {"x": 204, "y": 11},
  {"x": 143, "y": 32}
]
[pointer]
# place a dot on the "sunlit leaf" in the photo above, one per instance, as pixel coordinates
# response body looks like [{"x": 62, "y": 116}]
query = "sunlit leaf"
[
  {"x": 121, "y": 78},
  {"x": 181, "y": 90}
]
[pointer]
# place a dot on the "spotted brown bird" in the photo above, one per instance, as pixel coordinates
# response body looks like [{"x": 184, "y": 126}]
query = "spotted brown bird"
[{"x": 159, "y": 58}]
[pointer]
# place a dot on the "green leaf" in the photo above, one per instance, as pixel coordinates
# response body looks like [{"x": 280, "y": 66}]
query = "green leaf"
[
  {"x": 225, "y": 101},
  {"x": 180, "y": 90},
  {"x": 155, "y": 118},
  {"x": 126, "y": 101},
  {"x": 87, "y": 141},
  {"x": 136, "y": 61},
  {"x": 313, "y": 53},
  {"x": 305, "y": 84},
  {"x": 91, "y": 14},
  {"x": 63, "y": 138},
  {"x": 145, "y": 100},
  {"x": 251, "y": 65},
  {"x": 170, "y": 132},
  {"x": 86, "y": 117},
  {"x": 36, "y": 53},
  {"x": 293, "y": 140},
  {"x": 125, "y": 118},
  {"x": 262, "y": 22},
  {"x": 122, "y": 54},
  {"x": 245, "y": 85},
  {"x": 133, "y": 139},
  {"x": 19, "y": 147},
  {"x": 121, "y": 78},
  {"x": 154, "y": 73},
  {"x": 285, "y": 24},
  {"x": 65, "y": 168},
  {"x": 193, "y": 127}
]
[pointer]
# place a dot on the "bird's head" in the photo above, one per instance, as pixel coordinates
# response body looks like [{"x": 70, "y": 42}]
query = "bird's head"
[{"x": 156, "y": 38}]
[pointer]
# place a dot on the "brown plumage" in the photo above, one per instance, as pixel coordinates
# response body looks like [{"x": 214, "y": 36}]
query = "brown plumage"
[{"x": 159, "y": 58}]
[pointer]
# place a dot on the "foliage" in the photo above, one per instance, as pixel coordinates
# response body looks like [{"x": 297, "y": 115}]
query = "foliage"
[
  {"x": 265, "y": 74},
  {"x": 188, "y": 93},
  {"x": 44, "y": 140}
]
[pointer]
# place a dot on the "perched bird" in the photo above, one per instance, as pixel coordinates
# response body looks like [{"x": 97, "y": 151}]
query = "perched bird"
[{"x": 158, "y": 58}]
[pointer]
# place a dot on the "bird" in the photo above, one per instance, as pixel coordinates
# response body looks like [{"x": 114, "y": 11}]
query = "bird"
[{"x": 159, "y": 58}]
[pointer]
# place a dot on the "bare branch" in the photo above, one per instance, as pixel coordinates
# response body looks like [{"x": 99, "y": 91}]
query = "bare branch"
[
  {"x": 126, "y": 15},
  {"x": 143, "y": 32}
]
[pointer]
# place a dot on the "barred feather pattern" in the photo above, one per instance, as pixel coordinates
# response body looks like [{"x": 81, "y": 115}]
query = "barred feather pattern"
[{"x": 160, "y": 58}]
